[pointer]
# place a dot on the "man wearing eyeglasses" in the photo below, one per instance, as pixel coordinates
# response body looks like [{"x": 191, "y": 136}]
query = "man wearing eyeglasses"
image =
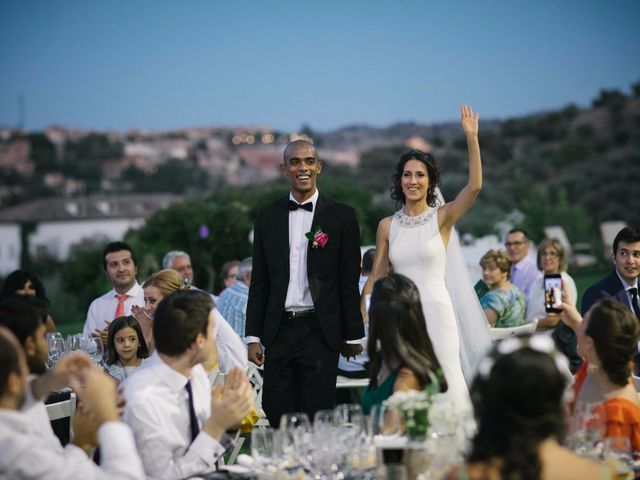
[{"x": 524, "y": 271}]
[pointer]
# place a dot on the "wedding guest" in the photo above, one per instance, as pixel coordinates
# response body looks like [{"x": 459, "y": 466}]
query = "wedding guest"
[
  {"x": 26, "y": 450},
  {"x": 608, "y": 341},
  {"x": 232, "y": 302},
  {"x": 229, "y": 273},
  {"x": 180, "y": 262},
  {"x": 517, "y": 398},
  {"x": 523, "y": 269},
  {"x": 231, "y": 350},
  {"x": 126, "y": 348},
  {"x": 178, "y": 421},
  {"x": 552, "y": 259},
  {"x": 504, "y": 303},
  {"x": 24, "y": 283},
  {"x": 402, "y": 357},
  {"x": 120, "y": 268}
]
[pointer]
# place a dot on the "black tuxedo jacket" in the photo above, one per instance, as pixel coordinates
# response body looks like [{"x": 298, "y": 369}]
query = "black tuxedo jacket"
[
  {"x": 333, "y": 272},
  {"x": 610, "y": 287}
]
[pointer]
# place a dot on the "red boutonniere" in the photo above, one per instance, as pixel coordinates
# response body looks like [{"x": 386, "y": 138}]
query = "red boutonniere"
[{"x": 318, "y": 238}]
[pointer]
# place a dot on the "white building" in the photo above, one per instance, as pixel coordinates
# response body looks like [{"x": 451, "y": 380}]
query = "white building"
[{"x": 60, "y": 223}]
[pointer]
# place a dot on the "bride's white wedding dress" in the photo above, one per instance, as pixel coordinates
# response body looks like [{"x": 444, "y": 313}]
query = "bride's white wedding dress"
[{"x": 416, "y": 250}]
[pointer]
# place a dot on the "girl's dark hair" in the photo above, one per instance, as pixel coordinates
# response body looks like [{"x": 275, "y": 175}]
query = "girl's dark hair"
[
  {"x": 614, "y": 330},
  {"x": 117, "y": 325},
  {"x": 18, "y": 279},
  {"x": 517, "y": 405},
  {"x": 397, "y": 324},
  {"x": 432, "y": 171}
]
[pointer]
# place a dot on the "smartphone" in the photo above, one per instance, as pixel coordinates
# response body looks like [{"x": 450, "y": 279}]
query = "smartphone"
[{"x": 552, "y": 293}]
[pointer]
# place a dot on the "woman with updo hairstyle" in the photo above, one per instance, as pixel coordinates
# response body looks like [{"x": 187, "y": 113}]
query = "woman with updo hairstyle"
[
  {"x": 420, "y": 242},
  {"x": 608, "y": 342},
  {"x": 156, "y": 287},
  {"x": 399, "y": 346},
  {"x": 504, "y": 303},
  {"x": 518, "y": 400}
]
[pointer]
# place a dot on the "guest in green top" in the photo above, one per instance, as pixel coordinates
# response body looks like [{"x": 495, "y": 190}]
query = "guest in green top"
[
  {"x": 399, "y": 347},
  {"x": 504, "y": 303}
]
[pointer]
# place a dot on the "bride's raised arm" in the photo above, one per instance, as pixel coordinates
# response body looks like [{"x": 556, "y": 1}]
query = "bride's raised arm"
[{"x": 451, "y": 212}]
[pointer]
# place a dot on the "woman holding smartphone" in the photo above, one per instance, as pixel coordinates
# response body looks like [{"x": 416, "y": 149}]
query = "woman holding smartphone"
[{"x": 552, "y": 261}]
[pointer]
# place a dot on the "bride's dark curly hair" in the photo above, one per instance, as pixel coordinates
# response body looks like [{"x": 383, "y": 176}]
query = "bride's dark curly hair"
[
  {"x": 517, "y": 406},
  {"x": 432, "y": 171}
]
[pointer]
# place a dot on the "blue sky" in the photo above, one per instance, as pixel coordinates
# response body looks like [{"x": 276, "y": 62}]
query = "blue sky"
[{"x": 163, "y": 64}]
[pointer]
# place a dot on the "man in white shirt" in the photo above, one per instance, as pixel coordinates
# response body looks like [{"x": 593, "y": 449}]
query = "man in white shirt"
[
  {"x": 232, "y": 351},
  {"x": 26, "y": 453},
  {"x": 178, "y": 421},
  {"x": 120, "y": 268},
  {"x": 524, "y": 271}
]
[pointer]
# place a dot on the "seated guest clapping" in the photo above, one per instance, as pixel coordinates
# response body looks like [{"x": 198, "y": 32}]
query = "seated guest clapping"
[
  {"x": 25, "y": 452},
  {"x": 126, "y": 348},
  {"x": 608, "y": 342},
  {"x": 517, "y": 398},
  {"x": 178, "y": 421},
  {"x": 504, "y": 303},
  {"x": 402, "y": 357}
]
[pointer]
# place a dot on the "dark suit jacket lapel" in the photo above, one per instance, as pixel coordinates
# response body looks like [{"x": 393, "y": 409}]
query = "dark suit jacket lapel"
[
  {"x": 618, "y": 291},
  {"x": 314, "y": 282},
  {"x": 281, "y": 226}
]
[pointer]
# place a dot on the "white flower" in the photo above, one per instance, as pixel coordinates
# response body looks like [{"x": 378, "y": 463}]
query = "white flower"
[
  {"x": 542, "y": 343},
  {"x": 509, "y": 345}
]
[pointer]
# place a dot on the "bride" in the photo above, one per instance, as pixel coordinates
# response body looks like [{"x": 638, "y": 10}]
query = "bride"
[{"x": 419, "y": 241}]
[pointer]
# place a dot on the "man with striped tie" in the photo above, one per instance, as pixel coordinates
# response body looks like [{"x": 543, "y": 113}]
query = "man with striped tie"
[{"x": 120, "y": 268}]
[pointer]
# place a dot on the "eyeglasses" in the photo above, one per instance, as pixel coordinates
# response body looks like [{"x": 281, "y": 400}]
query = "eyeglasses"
[
  {"x": 550, "y": 254},
  {"x": 517, "y": 243}
]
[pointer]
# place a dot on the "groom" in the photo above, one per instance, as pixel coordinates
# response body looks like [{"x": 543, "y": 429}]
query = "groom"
[{"x": 303, "y": 300}]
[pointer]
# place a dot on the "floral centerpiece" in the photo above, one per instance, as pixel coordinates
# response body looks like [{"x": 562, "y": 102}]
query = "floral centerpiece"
[{"x": 413, "y": 407}]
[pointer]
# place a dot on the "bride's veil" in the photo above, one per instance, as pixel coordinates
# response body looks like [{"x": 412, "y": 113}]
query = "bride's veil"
[{"x": 473, "y": 328}]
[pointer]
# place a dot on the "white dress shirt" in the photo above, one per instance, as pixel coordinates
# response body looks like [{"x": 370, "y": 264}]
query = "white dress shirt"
[
  {"x": 298, "y": 293},
  {"x": 36, "y": 411},
  {"x": 524, "y": 274},
  {"x": 25, "y": 454},
  {"x": 626, "y": 287},
  {"x": 232, "y": 352},
  {"x": 103, "y": 308},
  {"x": 157, "y": 411}
]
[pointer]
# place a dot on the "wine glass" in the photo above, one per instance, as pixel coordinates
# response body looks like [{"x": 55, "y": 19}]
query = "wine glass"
[
  {"x": 588, "y": 428},
  {"x": 264, "y": 447},
  {"x": 56, "y": 347},
  {"x": 295, "y": 437},
  {"x": 617, "y": 451},
  {"x": 94, "y": 348}
]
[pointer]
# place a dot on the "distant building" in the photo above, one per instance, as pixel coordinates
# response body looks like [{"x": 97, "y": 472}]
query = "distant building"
[{"x": 62, "y": 222}]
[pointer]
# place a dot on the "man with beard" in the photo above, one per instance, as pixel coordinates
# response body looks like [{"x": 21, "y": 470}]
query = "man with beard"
[{"x": 120, "y": 268}]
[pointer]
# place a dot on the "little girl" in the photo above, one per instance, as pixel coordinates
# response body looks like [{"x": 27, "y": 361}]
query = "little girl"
[{"x": 126, "y": 347}]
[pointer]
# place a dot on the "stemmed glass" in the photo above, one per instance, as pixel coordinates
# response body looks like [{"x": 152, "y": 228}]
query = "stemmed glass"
[
  {"x": 264, "y": 447},
  {"x": 56, "y": 347},
  {"x": 94, "y": 348},
  {"x": 295, "y": 438},
  {"x": 617, "y": 451},
  {"x": 588, "y": 429}
]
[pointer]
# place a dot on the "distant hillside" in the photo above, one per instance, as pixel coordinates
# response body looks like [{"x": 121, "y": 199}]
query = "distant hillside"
[{"x": 575, "y": 166}]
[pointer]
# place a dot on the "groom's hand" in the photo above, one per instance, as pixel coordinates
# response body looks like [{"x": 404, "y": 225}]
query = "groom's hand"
[
  {"x": 255, "y": 353},
  {"x": 351, "y": 350}
]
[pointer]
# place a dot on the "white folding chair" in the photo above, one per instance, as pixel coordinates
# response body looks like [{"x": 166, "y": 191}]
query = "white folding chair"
[{"x": 501, "y": 333}]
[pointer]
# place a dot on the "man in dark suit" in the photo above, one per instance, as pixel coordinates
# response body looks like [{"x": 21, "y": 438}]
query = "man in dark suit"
[
  {"x": 304, "y": 303},
  {"x": 622, "y": 284}
]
